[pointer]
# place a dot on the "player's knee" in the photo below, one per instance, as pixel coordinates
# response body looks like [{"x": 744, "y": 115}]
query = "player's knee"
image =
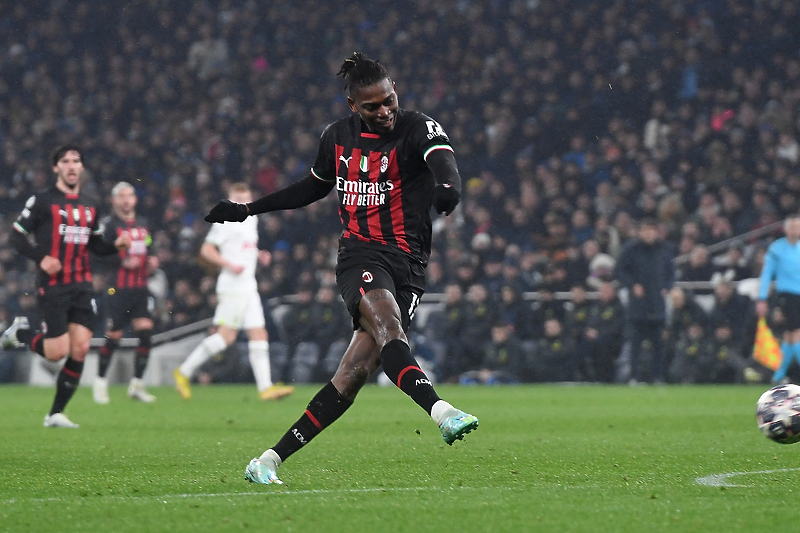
[
  {"x": 145, "y": 338},
  {"x": 79, "y": 349}
]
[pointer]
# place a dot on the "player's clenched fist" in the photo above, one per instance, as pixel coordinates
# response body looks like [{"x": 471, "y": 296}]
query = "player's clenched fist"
[
  {"x": 445, "y": 198},
  {"x": 227, "y": 211}
]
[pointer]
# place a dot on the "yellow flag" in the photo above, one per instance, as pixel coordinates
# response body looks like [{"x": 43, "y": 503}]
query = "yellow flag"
[{"x": 767, "y": 349}]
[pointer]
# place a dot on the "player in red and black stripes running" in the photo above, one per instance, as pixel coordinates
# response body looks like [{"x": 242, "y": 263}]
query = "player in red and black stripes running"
[
  {"x": 57, "y": 229},
  {"x": 388, "y": 166},
  {"x": 129, "y": 299}
]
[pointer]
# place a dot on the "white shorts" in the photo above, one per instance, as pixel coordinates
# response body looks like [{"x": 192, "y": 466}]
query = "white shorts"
[{"x": 239, "y": 310}]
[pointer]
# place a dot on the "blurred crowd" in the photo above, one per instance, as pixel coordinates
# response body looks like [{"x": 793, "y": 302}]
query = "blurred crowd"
[{"x": 571, "y": 121}]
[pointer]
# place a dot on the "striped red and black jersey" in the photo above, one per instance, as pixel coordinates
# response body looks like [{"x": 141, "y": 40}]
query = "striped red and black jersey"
[
  {"x": 61, "y": 225},
  {"x": 384, "y": 185},
  {"x": 136, "y": 277}
]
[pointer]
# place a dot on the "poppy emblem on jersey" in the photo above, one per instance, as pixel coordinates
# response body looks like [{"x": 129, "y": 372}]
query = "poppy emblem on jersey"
[
  {"x": 384, "y": 163},
  {"x": 366, "y": 277}
]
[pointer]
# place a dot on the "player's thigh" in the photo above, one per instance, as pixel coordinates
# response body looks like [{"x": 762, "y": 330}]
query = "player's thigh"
[
  {"x": 358, "y": 279},
  {"x": 119, "y": 304},
  {"x": 142, "y": 308},
  {"x": 142, "y": 324},
  {"x": 410, "y": 289},
  {"x": 789, "y": 305},
  {"x": 253, "y": 317},
  {"x": 231, "y": 310},
  {"x": 54, "y": 307},
  {"x": 82, "y": 310}
]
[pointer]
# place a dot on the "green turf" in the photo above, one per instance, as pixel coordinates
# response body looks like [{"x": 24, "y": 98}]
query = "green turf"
[{"x": 545, "y": 458}]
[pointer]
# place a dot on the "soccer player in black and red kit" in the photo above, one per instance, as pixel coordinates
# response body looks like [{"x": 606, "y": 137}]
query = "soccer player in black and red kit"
[
  {"x": 388, "y": 166},
  {"x": 129, "y": 299},
  {"x": 57, "y": 229}
]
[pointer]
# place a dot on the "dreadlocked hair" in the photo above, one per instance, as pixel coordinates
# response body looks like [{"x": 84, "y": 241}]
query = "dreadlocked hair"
[{"x": 360, "y": 71}]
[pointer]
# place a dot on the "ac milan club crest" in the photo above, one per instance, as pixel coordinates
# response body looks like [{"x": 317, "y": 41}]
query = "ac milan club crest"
[{"x": 366, "y": 277}]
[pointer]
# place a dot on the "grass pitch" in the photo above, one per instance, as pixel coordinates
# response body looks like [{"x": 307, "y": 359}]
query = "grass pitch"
[{"x": 545, "y": 458}]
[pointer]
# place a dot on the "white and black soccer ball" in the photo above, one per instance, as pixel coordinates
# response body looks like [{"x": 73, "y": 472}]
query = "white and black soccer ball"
[{"x": 778, "y": 413}]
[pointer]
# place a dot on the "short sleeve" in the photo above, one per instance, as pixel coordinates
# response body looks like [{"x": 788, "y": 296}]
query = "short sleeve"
[
  {"x": 217, "y": 235},
  {"x": 427, "y": 135},
  {"x": 325, "y": 164},
  {"x": 31, "y": 215}
]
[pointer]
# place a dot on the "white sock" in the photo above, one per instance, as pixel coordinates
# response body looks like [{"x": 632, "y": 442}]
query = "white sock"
[
  {"x": 210, "y": 347},
  {"x": 258, "y": 352},
  {"x": 441, "y": 411},
  {"x": 271, "y": 456}
]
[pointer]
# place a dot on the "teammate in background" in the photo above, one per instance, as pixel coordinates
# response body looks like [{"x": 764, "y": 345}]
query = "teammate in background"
[
  {"x": 64, "y": 226},
  {"x": 782, "y": 264},
  {"x": 129, "y": 299},
  {"x": 234, "y": 248},
  {"x": 389, "y": 166}
]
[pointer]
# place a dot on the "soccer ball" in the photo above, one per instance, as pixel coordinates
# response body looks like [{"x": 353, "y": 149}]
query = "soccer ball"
[{"x": 778, "y": 413}]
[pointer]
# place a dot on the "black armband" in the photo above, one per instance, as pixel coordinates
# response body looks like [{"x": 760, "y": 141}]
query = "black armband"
[{"x": 306, "y": 191}]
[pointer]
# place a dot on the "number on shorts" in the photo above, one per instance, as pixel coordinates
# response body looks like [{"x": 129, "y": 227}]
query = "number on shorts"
[{"x": 413, "y": 307}]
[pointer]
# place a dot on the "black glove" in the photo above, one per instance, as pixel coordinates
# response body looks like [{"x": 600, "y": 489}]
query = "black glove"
[
  {"x": 227, "y": 211},
  {"x": 445, "y": 198}
]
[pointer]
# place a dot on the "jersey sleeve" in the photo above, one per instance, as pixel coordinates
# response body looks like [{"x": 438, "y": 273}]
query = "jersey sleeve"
[
  {"x": 216, "y": 235},
  {"x": 768, "y": 271},
  {"x": 427, "y": 135},
  {"x": 105, "y": 228},
  {"x": 31, "y": 216},
  {"x": 324, "y": 168}
]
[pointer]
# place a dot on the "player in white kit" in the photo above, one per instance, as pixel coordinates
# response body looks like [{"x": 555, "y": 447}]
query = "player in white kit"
[{"x": 233, "y": 247}]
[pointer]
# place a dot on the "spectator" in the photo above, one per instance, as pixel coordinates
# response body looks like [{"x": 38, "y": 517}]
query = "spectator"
[
  {"x": 699, "y": 267},
  {"x": 503, "y": 359},
  {"x": 447, "y": 326},
  {"x": 694, "y": 356},
  {"x": 733, "y": 310},
  {"x": 578, "y": 312},
  {"x": 645, "y": 269},
  {"x": 554, "y": 357},
  {"x": 478, "y": 320},
  {"x": 728, "y": 362},
  {"x": 684, "y": 311},
  {"x": 604, "y": 335}
]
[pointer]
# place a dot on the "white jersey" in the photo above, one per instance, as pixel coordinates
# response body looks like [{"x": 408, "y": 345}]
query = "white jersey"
[{"x": 238, "y": 243}]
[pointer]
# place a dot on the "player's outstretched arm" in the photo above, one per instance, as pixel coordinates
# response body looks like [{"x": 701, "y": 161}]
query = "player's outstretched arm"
[
  {"x": 447, "y": 192},
  {"x": 306, "y": 191},
  {"x": 99, "y": 246}
]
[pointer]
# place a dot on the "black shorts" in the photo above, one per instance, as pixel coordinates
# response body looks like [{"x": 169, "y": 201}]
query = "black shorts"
[
  {"x": 126, "y": 304},
  {"x": 789, "y": 304},
  {"x": 359, "y": 274},
  {"x": 62, "y": 305}
]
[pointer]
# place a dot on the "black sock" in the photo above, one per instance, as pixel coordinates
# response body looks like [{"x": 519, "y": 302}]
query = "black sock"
[
  {"x": 66, "y": 384},
  {"x": 106, "y": 351},
  {"x": 401, "y": 367},
  {"x": 322, "y": 411},
  {"x": 142, "y": 354},
  {"x": 32, "y": 338}
]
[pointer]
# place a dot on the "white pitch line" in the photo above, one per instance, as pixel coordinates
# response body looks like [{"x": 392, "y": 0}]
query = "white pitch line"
[
  {"x": 266, "y": 492},
  {"x": 721, "y": 480}
]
